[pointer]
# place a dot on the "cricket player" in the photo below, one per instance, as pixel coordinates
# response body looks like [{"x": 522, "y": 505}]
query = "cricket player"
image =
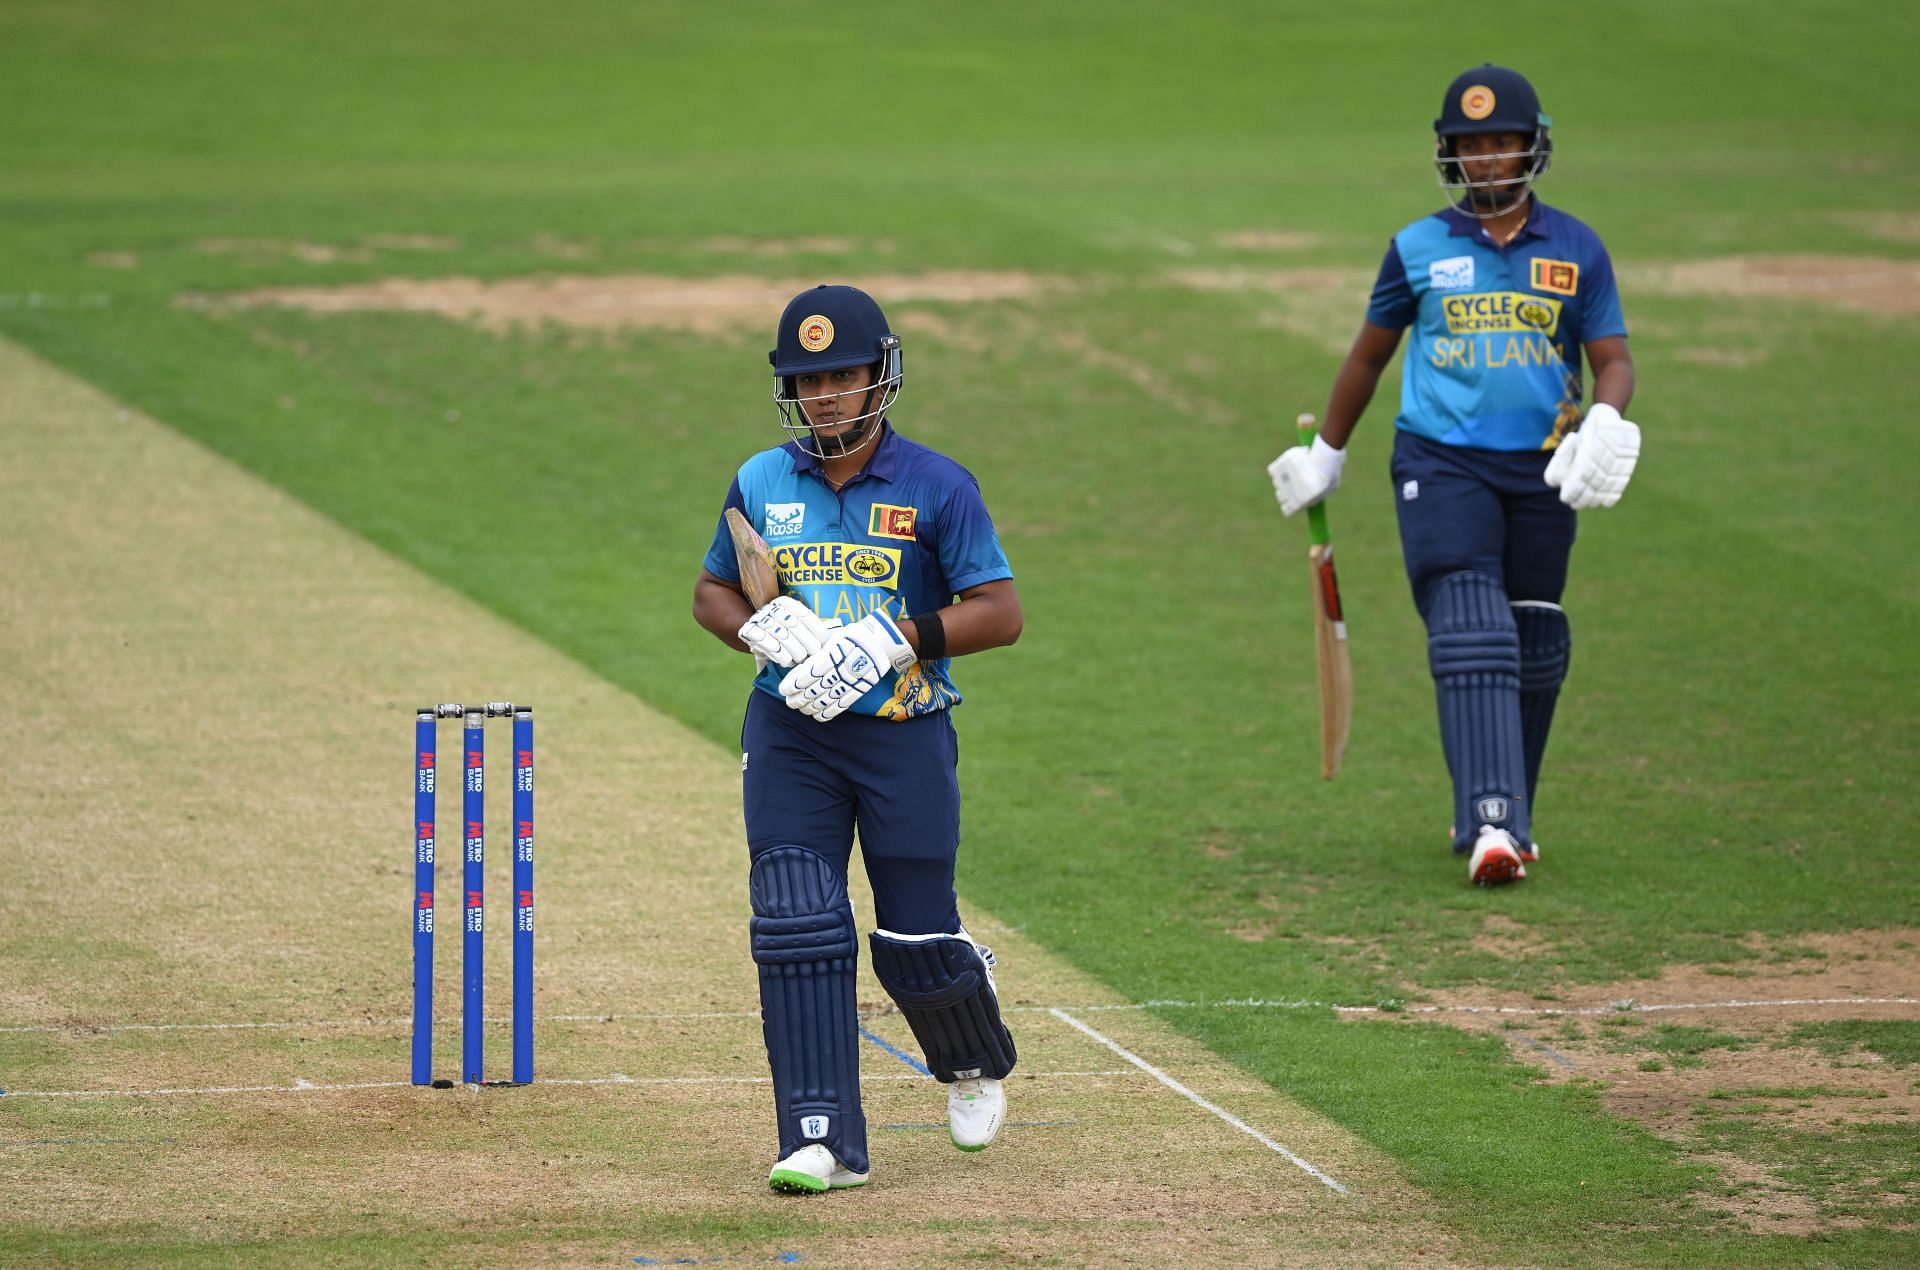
[
  {"x": 1504, "y": 295},
  {"x": 890, "y": 569}
]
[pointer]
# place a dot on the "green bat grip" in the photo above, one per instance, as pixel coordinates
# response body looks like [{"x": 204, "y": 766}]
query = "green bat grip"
[{"x": 1317, "y": 532}]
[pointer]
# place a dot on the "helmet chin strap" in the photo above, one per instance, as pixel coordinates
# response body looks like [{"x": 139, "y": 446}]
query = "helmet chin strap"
[{"x": 845, "y": 443}]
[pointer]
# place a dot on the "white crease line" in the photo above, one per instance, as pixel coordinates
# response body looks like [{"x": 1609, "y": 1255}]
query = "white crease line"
[
  {"x": 1230, "y": 1003},
  {"x": 1181, "y": 1089},
  {"x": 271, "y": 1025},
  {"x": 1622, "y": 1007},
  {"x": 303, "y": 1086},
  {"x": 1614, "y": 1007}
]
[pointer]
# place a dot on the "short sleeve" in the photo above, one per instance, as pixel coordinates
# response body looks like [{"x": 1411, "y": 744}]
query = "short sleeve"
[
  {"x": 720, "y": 561},
  {"x": 970, "y": 551},
  {"x": 1600, "y": 315},
  {"x": 1393, "y": 306}
]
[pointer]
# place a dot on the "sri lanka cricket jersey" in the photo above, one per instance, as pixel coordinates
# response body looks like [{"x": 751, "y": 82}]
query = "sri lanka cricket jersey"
[
  {"x": 1494, "y": 357},
  {"x": 906, "y": 534}
]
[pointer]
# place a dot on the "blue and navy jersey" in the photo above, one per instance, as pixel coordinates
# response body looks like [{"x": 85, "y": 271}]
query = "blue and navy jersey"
[
  {"x": 1495, "y": 354},
  {"x": 906, "y": 535}
]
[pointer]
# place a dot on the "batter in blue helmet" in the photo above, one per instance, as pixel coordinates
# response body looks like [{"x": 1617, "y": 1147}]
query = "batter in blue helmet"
[
  {"x": 890, "y": 568},
  {"x": 1505, "y": 297}
]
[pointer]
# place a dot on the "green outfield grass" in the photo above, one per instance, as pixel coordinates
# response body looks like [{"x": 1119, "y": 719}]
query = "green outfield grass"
[{"x": 1735, "y": 754}]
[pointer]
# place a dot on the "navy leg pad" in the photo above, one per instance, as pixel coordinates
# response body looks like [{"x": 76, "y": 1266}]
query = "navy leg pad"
[
  {"x": 940, "y": 982},
  {"x": 1546, "y": 648},
  {"x": 1473, "y": 650},
  {"x": 1546, "y": 644},
  {"x": 805, "y": 944}
]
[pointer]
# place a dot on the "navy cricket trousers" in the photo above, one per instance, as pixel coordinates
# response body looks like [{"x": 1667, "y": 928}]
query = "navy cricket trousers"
[
  {"x": 1487, "y": 511},
  {"x": 812, "y": 784}
]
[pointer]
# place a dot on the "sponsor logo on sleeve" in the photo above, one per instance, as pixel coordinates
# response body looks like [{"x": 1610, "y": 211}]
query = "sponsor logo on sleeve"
[
  {"x": 888, "y": 521},
  {"x": 1562, "y": 277},
  {"x": 1452, "y": 274}
]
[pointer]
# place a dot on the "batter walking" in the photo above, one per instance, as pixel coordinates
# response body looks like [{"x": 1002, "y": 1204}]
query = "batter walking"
[
  {"x": 890, "y": 568},
  {"x": 1503, "y": 295}
]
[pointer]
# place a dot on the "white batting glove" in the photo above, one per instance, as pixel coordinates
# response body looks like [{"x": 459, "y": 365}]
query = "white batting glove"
[
  {"x": 785, "y": 632},
  {"x": 1591, "y": 467},
  {"x": 1556, "y": 473},
  {"x": 853, "y": 661},
  {"x": 1306, "y": 474}
]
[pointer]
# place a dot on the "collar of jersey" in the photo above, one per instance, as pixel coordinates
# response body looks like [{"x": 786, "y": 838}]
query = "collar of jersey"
[
  {"x": 1539, "y": 224},
  {"x": 882, "y": 463}
]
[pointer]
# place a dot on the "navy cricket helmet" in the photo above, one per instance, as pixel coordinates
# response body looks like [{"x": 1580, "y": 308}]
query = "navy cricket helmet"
[
  {"x": 825, "y": 329},
  {"x": 1489, "y": 99}
]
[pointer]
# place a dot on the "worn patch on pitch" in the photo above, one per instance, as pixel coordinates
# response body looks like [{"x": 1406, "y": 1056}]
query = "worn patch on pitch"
[
  {"x": 1318, "y": 306},
  {"x": 1267, "y": 240},
  {"x": 709, "y": 306},
  {"x": 1860, "y": 284},
  {"x": 1748, "y": 1067},
  {"x": 1892, "y": 227},
  {"x": 262, "y": 250}
]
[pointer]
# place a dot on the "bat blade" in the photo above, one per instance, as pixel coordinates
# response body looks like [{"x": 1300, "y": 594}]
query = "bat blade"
[
  {"x": 758, "y": 578},
  {"x": 1335, "y": 664},
  {"x": 1329, "y": 634}
]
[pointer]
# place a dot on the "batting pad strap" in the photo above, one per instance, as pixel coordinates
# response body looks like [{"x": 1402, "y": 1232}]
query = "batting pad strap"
[
  {"x": 942, "y": 986},
  {"x": 802, "y": 937}
]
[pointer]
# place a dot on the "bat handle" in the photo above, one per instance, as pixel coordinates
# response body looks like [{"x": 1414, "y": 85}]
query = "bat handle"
[{"x": 1317, "y": 532}]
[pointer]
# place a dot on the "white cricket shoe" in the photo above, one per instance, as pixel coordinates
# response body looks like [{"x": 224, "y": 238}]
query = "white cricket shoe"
[
  {"x": 1496, "y": 858},
  {"x": 811, "y": 1170},
  {"x": 1529, "y": 851},
  {"x": 976, "y": 1109}
]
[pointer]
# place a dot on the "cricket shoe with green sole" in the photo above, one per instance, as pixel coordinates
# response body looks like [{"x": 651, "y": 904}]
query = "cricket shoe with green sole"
[
  {"x": 976, "y": 1108},
  {"x": 811, "y": 1170}
]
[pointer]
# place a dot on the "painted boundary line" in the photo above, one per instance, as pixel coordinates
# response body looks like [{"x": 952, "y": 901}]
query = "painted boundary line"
[
  {"x": 1198, "y": 1101},
  {"x": 1232, "y": 1003}
]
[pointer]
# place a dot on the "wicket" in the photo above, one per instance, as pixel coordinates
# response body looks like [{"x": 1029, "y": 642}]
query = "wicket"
[{"x": 473, "y": 945}]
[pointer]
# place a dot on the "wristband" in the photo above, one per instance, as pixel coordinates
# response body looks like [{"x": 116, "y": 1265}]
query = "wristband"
[{"x": 933, "y": 635}]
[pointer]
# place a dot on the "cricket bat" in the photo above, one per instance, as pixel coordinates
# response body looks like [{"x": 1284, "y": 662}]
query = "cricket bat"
[
  {"x": 1329, "y": 633},
  {"x": 758, "y": 578}
]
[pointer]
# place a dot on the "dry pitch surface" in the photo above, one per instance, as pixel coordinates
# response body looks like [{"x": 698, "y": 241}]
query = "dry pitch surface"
[{"x": 205, "y": 931}]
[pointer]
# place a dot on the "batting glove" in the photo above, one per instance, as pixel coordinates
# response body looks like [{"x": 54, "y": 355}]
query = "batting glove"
[
  {"x": 1306, "y": 474},
  {"x": 851, "y": 664},
  {"x": 785, "y": 632},
  {"x": 1591, "y": 467}
]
